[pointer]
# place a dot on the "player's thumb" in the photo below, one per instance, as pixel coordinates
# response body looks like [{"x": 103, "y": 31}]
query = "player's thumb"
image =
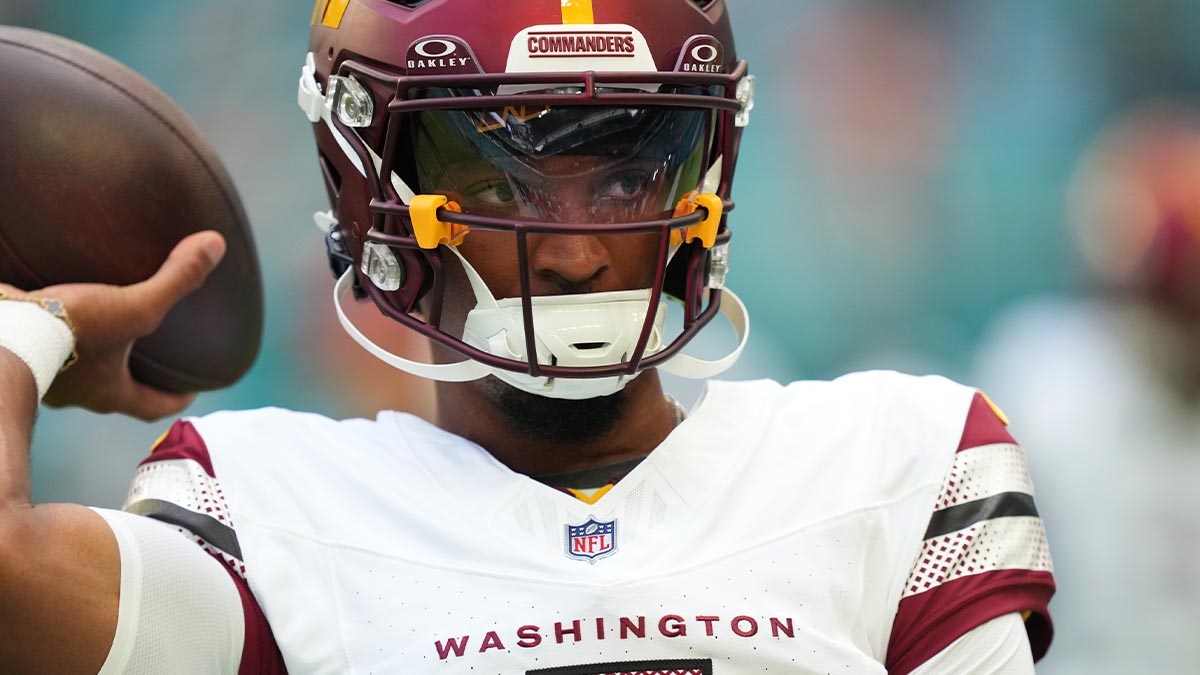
[{"x": 184, "y": 270}]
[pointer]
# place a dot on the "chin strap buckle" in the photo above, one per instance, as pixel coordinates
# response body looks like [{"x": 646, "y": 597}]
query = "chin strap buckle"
[
  {"x": 309, "y": 95},
  {"x": 429, "y": 231},
  {"x": 705, "y": 230}
]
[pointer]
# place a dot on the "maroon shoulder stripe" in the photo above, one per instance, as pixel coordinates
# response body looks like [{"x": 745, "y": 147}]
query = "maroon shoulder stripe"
[
  {"x": 182, "y": 441},
  {"x": 983, "y": 426}
]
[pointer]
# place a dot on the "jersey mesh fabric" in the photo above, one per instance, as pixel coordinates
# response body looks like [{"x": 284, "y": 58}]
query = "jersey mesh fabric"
[
  {"x": 984, "y": 554},
  {"x": 165, "y": 626},
  {"x": 998, "y": 647}
]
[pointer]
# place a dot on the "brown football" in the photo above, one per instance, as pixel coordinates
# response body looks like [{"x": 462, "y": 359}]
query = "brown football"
[{"x": 102, "y": 175}]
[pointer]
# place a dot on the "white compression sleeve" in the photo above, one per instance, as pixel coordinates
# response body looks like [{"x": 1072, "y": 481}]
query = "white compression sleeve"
[
  {"x": 998, "y": 647},
  {"x": 180, "y": 612}
]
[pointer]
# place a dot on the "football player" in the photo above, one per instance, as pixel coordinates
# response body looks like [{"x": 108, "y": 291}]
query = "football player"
[{"x": 529, "y": 185}]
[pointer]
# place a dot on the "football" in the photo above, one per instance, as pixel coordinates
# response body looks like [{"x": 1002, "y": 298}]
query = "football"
[{"x": 103, "y": 174}]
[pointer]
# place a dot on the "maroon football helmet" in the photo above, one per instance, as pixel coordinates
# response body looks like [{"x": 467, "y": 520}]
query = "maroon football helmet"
[{"x": 434, "y": 118}]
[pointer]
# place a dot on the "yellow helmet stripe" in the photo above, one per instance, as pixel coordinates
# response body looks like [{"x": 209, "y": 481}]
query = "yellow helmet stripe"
[
  {"x": 329, "y": 12},
  {"x": 577, "y": 11},
  {"x": 334, "y": 13}
]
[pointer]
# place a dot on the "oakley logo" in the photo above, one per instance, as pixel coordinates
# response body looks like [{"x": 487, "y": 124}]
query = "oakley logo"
[
  {"x": 701, "y": 54},
  {"x": 435, "y": 48},
  {"x": 705, "y": 53},
  {"x": 440, "y": 55}
]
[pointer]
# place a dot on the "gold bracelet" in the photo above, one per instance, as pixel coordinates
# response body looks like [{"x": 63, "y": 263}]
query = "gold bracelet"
[{"x": 58, "y": 311}]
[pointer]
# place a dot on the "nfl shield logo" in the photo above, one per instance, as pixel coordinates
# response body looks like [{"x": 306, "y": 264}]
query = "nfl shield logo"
[{"x": 592, "y": 540}]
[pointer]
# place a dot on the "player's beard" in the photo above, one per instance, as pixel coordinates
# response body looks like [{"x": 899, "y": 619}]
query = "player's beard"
[{"x": 557, "y": 420}]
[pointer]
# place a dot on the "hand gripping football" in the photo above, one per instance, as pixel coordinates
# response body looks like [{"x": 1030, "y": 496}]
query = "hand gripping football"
[{"x": 101, "y": 175}]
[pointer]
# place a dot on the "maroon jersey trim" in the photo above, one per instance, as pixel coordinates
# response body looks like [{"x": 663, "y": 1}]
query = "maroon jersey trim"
[
  {"x": 182, "y": 441},
  {"x": 206, "y": 514},
  {"x": 260, "y": 653},
  {"x": 983, "y": 426},
  {"x": 927, "y": 623}
]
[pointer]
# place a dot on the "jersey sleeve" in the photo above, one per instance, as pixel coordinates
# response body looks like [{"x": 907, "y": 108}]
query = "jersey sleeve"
[
  {"x": 984, "y": 553},
  {"x": 179, "y": 611},
  {"x": 998, "y": 647},
  {"x": 176, "y": 485}
]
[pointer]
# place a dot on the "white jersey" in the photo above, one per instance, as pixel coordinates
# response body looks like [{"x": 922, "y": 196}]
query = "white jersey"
[{"x": 813, "y": 528}]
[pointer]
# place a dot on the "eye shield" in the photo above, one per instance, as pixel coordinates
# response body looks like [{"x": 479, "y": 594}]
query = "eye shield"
[{"x": 618, "y": 164}]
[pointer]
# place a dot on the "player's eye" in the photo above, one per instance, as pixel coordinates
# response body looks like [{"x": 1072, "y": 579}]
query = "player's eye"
[
  {"x": 624, "y": 185},
  {"x": 491, "y": 193}
]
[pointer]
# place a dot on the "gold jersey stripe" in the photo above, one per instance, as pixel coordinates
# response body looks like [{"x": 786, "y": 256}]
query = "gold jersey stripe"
[
  {"x": 158, "y": 441},
  {"x": 995, "y": 408},
  {"x": 577, "y": 11},
  {"x": 588, "y": 496}
]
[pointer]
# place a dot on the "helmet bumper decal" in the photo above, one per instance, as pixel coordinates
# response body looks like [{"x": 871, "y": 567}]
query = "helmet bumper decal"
[{"x": 560, "y": 48}]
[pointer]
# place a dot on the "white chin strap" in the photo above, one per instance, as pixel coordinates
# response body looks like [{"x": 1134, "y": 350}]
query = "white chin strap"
[{"x": 592, "y": 329}]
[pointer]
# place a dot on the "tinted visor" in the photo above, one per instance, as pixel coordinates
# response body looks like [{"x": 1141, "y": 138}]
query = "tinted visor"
[{"x": 563, "y": 164}]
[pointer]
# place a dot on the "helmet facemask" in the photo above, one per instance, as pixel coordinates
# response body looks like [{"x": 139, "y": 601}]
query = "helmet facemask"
[{"x": 529, "y": 154}]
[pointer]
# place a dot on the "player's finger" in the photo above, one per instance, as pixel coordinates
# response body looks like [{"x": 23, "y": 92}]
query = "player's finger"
[
  {"x": 10, "y": 291},
  {"x": 184, "y": 270}
]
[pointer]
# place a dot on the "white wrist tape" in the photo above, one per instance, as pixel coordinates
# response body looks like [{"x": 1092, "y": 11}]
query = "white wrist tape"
[{"x": 40, "y": 339}]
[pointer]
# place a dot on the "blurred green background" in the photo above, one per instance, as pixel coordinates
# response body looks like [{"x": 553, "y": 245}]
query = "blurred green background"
[{"x": 903, "y": 183}]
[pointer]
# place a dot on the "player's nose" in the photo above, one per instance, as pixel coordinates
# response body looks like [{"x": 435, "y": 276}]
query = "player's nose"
[{"x": 563, "y": 263}]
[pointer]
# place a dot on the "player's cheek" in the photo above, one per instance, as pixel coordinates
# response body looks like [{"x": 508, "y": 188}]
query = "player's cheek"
[{"x": 633, "y": 257}]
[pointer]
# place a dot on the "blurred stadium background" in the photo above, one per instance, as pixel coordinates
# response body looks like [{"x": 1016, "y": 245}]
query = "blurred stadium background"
[{"x": 902, "y": 190}]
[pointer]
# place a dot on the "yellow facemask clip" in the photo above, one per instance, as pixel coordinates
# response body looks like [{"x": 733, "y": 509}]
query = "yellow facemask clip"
[
  {"x": 705, "y": 230},
  {"x": 429, "y": 231}
]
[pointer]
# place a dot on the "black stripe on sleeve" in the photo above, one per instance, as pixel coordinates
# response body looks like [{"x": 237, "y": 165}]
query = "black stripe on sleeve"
[
  {"x": 207, "y": 528},
  {"x": 1005, "y": 504}
]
